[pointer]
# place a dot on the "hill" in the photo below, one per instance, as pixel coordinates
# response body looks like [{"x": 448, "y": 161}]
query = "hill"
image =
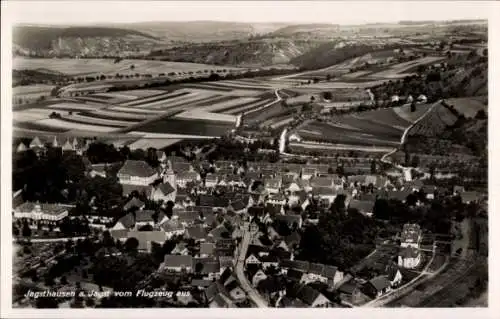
[
  {"x": 194, "y": 31},
  {"x": 246, "y": 53},
  {"x": 305, "y": 29},
  {"x": 79, "y": 41}
]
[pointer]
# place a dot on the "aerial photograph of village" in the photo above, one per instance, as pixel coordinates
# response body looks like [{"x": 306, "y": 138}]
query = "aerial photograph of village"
[{"x": 207, "y": 163}]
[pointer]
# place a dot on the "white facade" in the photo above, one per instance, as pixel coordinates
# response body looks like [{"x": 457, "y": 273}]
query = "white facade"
[
  {"x": 409, "y": 262},
  {"x": 39, "y": 215},
  {"x": 137, "y": 180}
]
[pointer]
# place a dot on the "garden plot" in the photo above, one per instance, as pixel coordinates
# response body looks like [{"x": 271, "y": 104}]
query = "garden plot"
[
  {"x": 140, "y": 93},
  {"x": 155, "y": 98},
  {"x": 107, "y": 66},
  {"x": 405, "y": 112},
  {"x": 77, "y": 118},
  {"x": 467, "y": 106},
  {"x": 396, "y": 71},
  {"x": 35, "y": 88},
  {"x": 157, "y": 143},
  {"x": 228, "y": 104},
  {"x": 116, "y": 96},
  {"x": 62, "y": 124},
  {"x": 73, "y": 107},
  {"x": 31, "y": 115},
  {"x": 244, "y": 85},
  {"x": 248, "y": 107},
  {"x": 199, "y": 114},
  {"x": 108, "y": 114},
  {"x": 384, "y": 117}
]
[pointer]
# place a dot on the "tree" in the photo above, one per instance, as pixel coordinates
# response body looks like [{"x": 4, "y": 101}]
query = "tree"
[
  {"x": 131, "y": 244},
  {"x": 413, "y": 107},
  {"x": 26, "y": 230},
  {"x": 415, "y": 161},
  {"x": 132, "y": 67}
]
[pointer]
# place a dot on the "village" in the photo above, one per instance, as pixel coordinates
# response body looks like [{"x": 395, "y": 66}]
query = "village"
[{"x": 233, "y": 234}]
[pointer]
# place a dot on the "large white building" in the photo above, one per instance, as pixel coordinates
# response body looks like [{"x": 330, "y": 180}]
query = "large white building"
[
  {"x": 409, "y": 254},
  {"x": 45, "y": 213},
  {"x": 137, "y": 173}
]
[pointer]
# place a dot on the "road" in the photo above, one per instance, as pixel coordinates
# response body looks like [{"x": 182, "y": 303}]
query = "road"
[{"x": 240, "y": 265}]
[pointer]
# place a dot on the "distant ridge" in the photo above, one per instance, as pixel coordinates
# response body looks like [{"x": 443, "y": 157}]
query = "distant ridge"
[{"x": 41, "y": 37}]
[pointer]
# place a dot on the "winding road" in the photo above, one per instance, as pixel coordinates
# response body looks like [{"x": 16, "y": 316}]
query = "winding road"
[{"x": 247, "y": 287}]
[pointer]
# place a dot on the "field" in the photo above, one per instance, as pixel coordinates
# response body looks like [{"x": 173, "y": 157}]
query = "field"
[
  {"x": 434, "y": 123},
  {"x": 92, "y": 67},
  {"x": 379, "y": 129},
  {"x": 203, "y": 110},
  {"x": 468, "y": 106}
]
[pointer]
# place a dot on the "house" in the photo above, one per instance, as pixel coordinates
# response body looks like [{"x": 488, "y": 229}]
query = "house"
[
  {"x": 180, "y": 249},
  {"x": 314, "y": 272},
  {"x": 197, "y": 233},
  {"x": 277, "y": 199},
  {"x": 134, "y": 203},
  {"x": 411, "y": 236},
  {"x": 163, "y": 192},
  {"x": 36, "y": 144},
  {"x": 178, "y": 263},
  {"x": 212, "y": 201},
  {"x": 350, "y": 293},
  {"x": 185, "y": 177},
  {"x": 326, "y": 194},
  {"x": 395, "y": 277},
  {"x": 147, "y": 238},
  {"x": 409, "y": 257},
  {"x": 211, "y": 180},
  {"x": 173, "y": 228},
  {"x": 365, "y": 207},
  {"x": 273, "y": 185},
  {"x": 470, "y": 197},
  {"x": 21, "y": 148},
  {"x": 252, "y": 259},
  {"x": 137, "y": 173},
  {"x": 149, "y": 217},
  {"x": 258, "y": 277},
  {"x": 377, "y": 286},
  {"x": 207, "y": 249},
  {"x": 98, "y": 170},
  {"x": 68, "y": 147},
  {"x": 269, "y": 261},
  {"x": 43, "y": 213},
  {"x": 309, "y": 296},
  {"x": 308, "y": 173},
  {"x": 201, "y": 283},
  {"x": 161, "y": 157},
  {"x": 292, "y": 221},
  {"x": 208, "y": 267}
]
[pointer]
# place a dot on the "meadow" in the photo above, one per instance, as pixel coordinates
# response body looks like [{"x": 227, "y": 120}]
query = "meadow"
[{"x": 93, "y": 67}]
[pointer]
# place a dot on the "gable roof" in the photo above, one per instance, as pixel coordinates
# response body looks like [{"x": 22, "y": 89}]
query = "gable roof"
[
  {"x": 380, "y": 282},
  {"x": 362, "y": 205},
  {"x": 178, "y": 261},
  {"x": 134, "y": 202},
  {"x": 196, "y": 232},
  {"x": 207, "y": 248},
  {"x": 136, "y": 168},
  {"x": 166, "y": 188}
]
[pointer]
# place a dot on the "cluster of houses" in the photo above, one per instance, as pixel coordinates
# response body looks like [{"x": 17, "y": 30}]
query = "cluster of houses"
[
  {"x": 212, "y": 203},
  {"x": 40, "y": 147}
]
